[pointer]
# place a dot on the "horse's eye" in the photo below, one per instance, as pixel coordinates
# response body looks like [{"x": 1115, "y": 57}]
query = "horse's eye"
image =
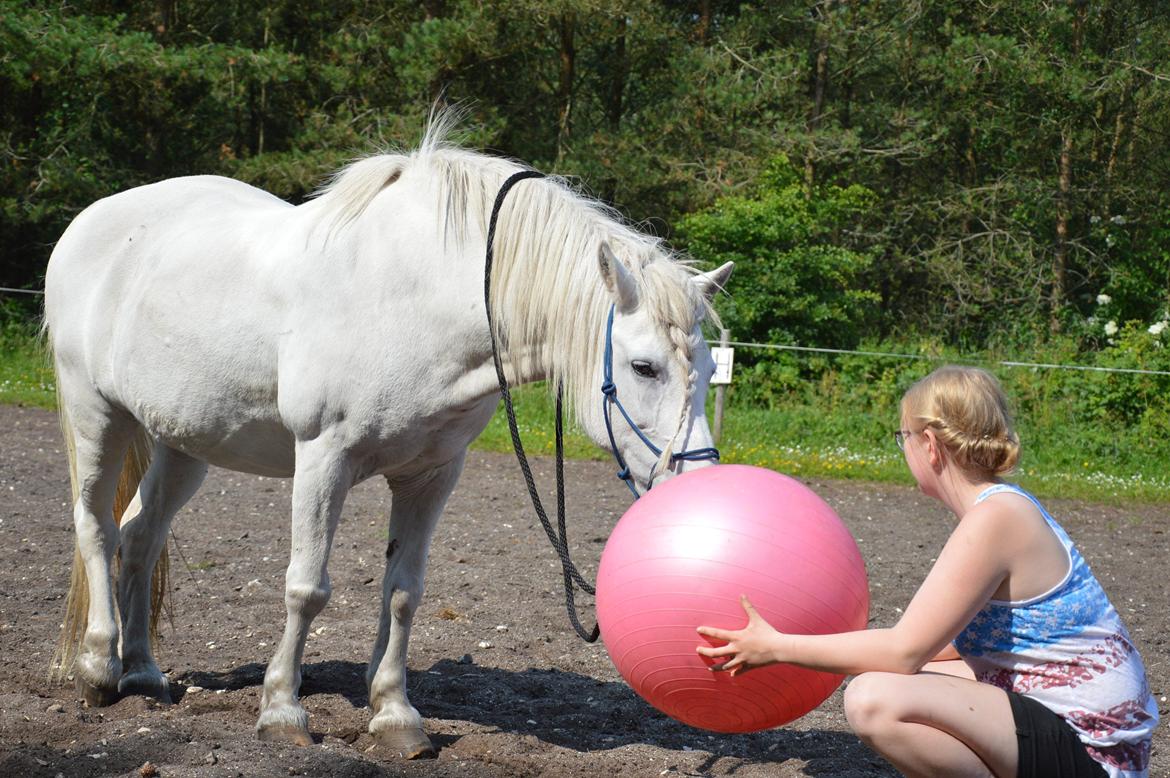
[{"x": 644, "y": 369}]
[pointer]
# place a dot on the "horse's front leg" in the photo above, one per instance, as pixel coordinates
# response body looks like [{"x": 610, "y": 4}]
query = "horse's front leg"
[
  {"x": 396, "y": 725},
  {"x": 320, "y": 482}
]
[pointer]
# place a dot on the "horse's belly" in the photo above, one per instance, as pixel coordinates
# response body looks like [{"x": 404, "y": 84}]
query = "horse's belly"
[
  {"x": 211, "y": 412},
  {"x": 253, "y": 446},
  {"x": 252, "y": 442}
]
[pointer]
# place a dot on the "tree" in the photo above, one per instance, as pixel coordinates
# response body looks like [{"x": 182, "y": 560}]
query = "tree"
[
  {"x": 799, "y": 274},
  {"x": 1016, "y": 149}
]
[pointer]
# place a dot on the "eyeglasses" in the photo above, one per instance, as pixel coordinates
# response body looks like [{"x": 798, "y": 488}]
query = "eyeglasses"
[{"x": 900, "y": 438}]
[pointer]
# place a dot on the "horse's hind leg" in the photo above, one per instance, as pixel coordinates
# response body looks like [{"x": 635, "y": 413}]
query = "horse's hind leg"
[
  {"x": 171, "y": 480},
  {"x": 101, "y": 437},
  {"x": 396, "y": 725}
]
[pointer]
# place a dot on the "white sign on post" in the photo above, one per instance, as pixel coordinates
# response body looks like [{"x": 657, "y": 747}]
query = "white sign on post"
[{"x": 724, "y": 358}]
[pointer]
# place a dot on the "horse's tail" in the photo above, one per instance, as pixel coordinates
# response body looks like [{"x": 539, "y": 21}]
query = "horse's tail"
[{"x": 77, "y": 601}]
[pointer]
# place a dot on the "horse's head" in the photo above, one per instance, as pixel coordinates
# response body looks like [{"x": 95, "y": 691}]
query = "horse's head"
[{"x": 657, "y": 367}]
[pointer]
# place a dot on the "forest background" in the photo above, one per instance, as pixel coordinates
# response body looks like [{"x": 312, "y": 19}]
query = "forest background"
[{"x": 982, "y": 182}]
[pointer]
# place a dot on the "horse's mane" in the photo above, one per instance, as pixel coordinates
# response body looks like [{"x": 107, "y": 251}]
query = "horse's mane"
[{"x": 546, "y": 288}]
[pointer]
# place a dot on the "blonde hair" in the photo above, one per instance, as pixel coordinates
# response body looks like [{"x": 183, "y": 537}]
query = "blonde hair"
[{"x": 968, "y": 412}]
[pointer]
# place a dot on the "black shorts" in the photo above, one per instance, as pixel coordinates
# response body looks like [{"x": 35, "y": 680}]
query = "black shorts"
[{"x": 1048, "y": 746}]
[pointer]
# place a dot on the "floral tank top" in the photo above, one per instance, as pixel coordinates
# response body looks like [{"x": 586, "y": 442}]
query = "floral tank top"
[{"x": 1068, "y": 650}]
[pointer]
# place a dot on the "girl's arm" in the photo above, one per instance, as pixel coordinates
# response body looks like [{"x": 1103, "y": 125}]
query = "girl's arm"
[{"x": 970, "y": 567}]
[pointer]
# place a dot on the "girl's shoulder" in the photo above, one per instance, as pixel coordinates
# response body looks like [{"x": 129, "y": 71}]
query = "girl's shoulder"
[
  {"x": 1007, "y": 514},
  {"x": 1034, "y": 549},
  {"x": 1006, "y": 500},
  {"x": 1009, "y": 500},
  {"x": 993, "y": 489}
]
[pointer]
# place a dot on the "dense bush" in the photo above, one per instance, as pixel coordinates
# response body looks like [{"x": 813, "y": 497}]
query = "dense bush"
[
  {"x": 1012, "y": 154},
  {"x": 799, "y": 279}
]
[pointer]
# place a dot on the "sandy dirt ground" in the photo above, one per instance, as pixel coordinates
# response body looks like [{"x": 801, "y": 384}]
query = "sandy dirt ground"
[{"x": 504, "y": 684}]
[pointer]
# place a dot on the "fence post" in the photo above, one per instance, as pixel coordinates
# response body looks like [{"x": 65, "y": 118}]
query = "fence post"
[{"x": 720, "y": 390}]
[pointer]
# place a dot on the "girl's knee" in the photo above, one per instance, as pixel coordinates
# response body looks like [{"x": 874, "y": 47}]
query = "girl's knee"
[{"x": 868, "y": 699}]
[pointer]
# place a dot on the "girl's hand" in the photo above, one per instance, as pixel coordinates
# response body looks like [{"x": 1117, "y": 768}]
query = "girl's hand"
[{"x": 753, "y": 646}]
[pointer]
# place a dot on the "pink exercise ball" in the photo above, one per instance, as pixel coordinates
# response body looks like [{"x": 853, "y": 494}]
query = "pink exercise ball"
[{"x": 682, "y": 555}]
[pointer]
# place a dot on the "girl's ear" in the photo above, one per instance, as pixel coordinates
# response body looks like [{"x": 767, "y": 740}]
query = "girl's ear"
[{"x": 934, "y": 447}]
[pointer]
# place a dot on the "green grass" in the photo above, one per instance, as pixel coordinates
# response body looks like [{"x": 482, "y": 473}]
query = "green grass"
[
  {"x": 535, "y": 418},
  {"x": 1058, "y": 461},
  {"x": 25, "y": 375},
  {"x": 818, "y": 442},
  {"x": 1061, "y": 459}
]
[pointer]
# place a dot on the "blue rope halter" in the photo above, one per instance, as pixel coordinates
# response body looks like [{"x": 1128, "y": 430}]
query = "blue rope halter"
[{"x": 609, "y": 397}]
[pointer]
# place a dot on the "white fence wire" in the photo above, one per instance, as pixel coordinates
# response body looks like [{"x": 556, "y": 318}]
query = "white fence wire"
[
  {"x": 892, "y": 355},
  {"x": 881, "y": 354}
]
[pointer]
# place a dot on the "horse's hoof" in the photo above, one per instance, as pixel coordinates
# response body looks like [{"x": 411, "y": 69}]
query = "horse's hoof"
[
  {"x": 405, "y": 743},
  {"x": 285, "y": 733},
  {"x": 145, "y": 685},
  {"x": 95, "y": 696}
]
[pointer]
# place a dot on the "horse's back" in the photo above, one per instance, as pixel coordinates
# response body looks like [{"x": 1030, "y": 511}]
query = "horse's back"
[{"x": 113, "y": 235}]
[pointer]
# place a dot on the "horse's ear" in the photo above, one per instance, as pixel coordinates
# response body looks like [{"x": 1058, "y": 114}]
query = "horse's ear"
[
  {"x": 617, "y": 279},
  {"x": 711, "y": 283}
]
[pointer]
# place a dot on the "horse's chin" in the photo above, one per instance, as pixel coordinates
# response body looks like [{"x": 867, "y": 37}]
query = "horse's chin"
[{"x": 659, "y": 477}]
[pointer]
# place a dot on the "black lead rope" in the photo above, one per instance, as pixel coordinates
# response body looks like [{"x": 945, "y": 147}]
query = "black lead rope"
[{"x": 559, "y": 540}]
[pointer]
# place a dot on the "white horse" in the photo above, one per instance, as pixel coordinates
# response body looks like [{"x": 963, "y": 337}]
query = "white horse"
[{"x": 199, "y": 320}]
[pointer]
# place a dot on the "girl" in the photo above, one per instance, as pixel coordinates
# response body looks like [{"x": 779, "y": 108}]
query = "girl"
[{"x": 1050, "y": 683}]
